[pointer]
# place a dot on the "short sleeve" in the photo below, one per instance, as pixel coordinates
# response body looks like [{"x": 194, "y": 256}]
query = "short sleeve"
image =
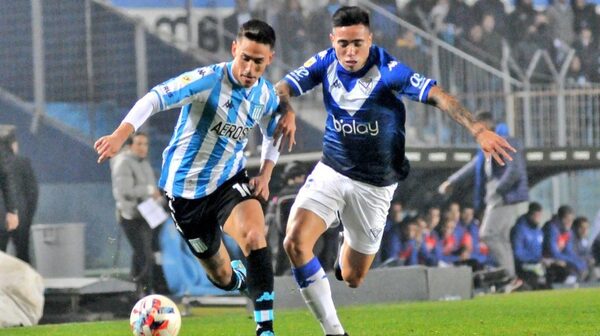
[
  {"x": 407, "y": 82},
  {"x": 309, "y": 75}
]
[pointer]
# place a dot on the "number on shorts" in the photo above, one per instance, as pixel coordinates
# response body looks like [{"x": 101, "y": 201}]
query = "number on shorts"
[{"x": 242, "y": 188}]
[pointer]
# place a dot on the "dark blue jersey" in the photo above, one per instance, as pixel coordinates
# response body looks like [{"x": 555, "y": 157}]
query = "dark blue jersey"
[{"x": 364, "y": 133}]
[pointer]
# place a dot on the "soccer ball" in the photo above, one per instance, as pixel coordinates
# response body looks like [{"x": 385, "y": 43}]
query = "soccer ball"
[{"x": 155, "y": 315}]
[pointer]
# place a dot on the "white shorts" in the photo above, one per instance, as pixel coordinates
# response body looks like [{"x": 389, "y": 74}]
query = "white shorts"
[{"x": 363, "y": 208}]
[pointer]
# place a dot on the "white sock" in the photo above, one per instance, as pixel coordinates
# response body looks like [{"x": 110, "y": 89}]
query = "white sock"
[{"x": 316, "y": 292}]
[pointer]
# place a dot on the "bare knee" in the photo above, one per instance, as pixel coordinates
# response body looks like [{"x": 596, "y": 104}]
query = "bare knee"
[
  {"x": 294, "y": 248},
  {"x": 254, "y": 240},
  {"x": 220, "y": 275}
]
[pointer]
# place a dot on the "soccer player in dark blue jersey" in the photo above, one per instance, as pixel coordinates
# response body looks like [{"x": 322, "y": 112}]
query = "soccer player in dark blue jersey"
[{"x": 363, "y": 153}]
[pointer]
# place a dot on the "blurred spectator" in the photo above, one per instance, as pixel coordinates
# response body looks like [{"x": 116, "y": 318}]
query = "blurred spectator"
[
  {"x": 417, "y": 12},
  {"x": 491, "y": 40},
  {"x": 390, "y": 241},
  {"x": 411, "y": 48},
  {"x": 451, "y": 20},
  {"x": 409, "y": 246},
  {"x": 453, "y": 249},
  {"x": 452, "y": 212},
  {"x": 504, "y": 191},
  {"x": 576, "y": 75},
  {"x": 430, "y": 251},
  {"x": 527, "y": 241},
  {"x": 585, "y": 16},
  {"x": 384, "y": 29},
  {"x": 26, "y": 192},
  {"x": 479, "y": 250},
  {"x": 473, "y": 45},
  {"x": 133, "y": 182},
  {"x": 562, "y": 21},
  {"x": 231, "y": 23},
  {"x": 318, "y": 33},
  {"x": 520, "y": 20},
  {"x": 278, "y": 212},
  {"x": 537, "y": 36},
  {"x": 558, "y": 245},
  {"x": 587, "y": 50},
  {"x": 495, "y": 8},
  {"x": 583, "y": 245},
  {"x": 8, "y": 199},
  {"x": 292, "y": 33}
]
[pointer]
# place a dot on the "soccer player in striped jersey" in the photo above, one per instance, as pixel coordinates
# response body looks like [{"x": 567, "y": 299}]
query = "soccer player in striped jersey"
[
  {"x": 203, "y": 171},
  {"x": 363, "y": 153}
]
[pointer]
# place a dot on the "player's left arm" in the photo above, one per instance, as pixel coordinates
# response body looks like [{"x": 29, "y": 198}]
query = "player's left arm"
[
  {"x": 491, "y": 143},
  {"x": 269, "y": 152}
]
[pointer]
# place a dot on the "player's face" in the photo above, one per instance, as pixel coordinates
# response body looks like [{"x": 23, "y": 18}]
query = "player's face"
[
  {"x": 352, "y": 44},
  {"x": 250, "y": 60}
]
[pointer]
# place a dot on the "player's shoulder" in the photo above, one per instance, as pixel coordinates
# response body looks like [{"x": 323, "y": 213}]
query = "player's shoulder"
[
  {"x": 387, "y": 63},
  {"x": 324, "y": 57},
  {"x": 209, "y": 72}
]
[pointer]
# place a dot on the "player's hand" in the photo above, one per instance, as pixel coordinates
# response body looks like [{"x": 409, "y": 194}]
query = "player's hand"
[
  {"x": 260, "y": 187},
  {"x": 107, "y": 147},
  {"x": 12, "y": 221},
  {"x": 286, "y": 130},
  {"x": 495, "y": 146},
  {"x": 444, "y": 188}
]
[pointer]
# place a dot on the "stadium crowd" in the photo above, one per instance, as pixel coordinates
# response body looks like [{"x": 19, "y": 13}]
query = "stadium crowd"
[
  {"x": 446, "y": 233},
  {"x": 478, "y": 28},
  {"x": 546, "y": 253}
]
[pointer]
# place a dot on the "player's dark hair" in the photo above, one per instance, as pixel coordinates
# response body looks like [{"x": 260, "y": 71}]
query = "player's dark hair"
[
  {"x": 564, "y": 211},
  {"x": 534, "y": 207},
  {"x": 485, "y": 116},
  {"x": 257, "y": 31},
  {"x": 293, "y": 170},
  {"x": 350, "y": 16},
  {"x": 578, "y": 222}
]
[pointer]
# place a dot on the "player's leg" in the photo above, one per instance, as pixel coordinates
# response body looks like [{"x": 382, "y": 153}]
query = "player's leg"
[
  {"x": 356, "y": 265},
  {"x": 304, "y": 229},
  {"x": 363, "y": 218},
  {"x": 246, "y": 225},
  {"x": 313, "y": 211},
  {"x": 197, "y": 222}
]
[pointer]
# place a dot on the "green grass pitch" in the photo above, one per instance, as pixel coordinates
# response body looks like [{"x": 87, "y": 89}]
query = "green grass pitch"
[{"x": 552, "y": 313}]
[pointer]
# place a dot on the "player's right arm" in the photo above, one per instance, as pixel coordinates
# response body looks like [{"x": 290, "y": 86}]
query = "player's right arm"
[
  {"x": 286, "y": 127},
  {"x": 176, "y": 92},
  {"x": 297, "y": 83}
]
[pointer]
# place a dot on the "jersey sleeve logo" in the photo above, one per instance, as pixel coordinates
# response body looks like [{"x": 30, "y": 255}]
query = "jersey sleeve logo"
[
  {"x": 185, "y": 80},
  {"x": 299, "y": 73},
  {"x": 310, "y": 62},
  {"x": 391, "y": 65},
  {"x": 417, "y": 80}
]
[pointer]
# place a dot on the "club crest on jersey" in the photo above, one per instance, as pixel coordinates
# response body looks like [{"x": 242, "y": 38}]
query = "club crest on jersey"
[
  {"x": 366, "y": 85},
  {"x": 256, "y": 111}
]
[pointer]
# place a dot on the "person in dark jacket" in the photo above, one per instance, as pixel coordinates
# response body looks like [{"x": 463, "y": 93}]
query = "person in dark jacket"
[
  {"x": 504, "y": 191},
  {"x": 527, "y": 240},
  {"x": 26, "y": 197},
  {"x": 558, "y": 244},
  {"x": 8, "y": 195}
]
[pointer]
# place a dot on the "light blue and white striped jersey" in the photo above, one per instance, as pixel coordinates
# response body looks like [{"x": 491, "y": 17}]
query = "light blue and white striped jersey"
[{"x": 217, "y": 114}]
